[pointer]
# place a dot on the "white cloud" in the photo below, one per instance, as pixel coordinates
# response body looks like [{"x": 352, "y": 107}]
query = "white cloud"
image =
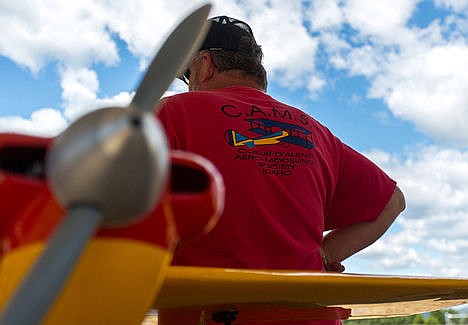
[
  {"x": 429, "y": 238},
  {"x": 456, "y": 5},
  {"x": 429, "y": 89},
  {"x": 434, "y": 179},
  {"x": 141, "y": 24},
  {"x": 79, "y": 96},
  {"x": 290, "y": 49},
  {"x": 79, "y": 93},
  {"x": 72, "y": 32},
  {"x": 79, "y": 88},
  {"x": 419, "y": 73},
  {"x": 44, "y": 122},
  {"x": 325, "y": 15},
  {"x": 314, "y": 85},
  {"x": 382, "y": 19}
]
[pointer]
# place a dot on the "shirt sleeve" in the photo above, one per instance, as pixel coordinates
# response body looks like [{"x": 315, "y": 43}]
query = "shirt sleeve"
[
  {"x": 166, "y": 118},
  {"x": 361, "y": 193}
]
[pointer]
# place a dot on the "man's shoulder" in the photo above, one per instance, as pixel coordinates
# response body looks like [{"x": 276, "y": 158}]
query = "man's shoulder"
[
  {"x": 191, "y": 96},
  {"x": 227, "y": 92}
]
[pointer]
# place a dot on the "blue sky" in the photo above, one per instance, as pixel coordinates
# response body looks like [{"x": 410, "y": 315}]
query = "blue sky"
[{"x": 387, "y": 77}]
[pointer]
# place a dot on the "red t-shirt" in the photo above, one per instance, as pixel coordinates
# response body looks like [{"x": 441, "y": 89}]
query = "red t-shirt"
[{"x": 287, "y": 178}]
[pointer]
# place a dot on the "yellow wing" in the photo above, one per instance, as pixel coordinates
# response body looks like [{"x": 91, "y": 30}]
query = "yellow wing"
[{"x": 275, "y": 295}]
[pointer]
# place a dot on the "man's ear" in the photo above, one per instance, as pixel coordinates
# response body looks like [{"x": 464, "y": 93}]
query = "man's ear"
[{"x": 207, "y": 69}]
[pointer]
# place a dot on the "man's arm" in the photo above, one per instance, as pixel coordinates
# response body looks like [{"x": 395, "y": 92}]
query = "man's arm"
[{"x": 340, "y": 244}]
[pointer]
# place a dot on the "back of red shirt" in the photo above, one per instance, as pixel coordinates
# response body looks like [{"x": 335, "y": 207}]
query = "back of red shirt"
[{"x": 287, "y": 179}]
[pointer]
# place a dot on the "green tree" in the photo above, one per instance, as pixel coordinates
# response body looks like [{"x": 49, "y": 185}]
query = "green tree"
[
  {"x": 384, "y": 321},
  {"x": 418, "y": 319},
  {"x": 439, "y": 315},
  {"x": 431, "y": 320},
  {"x": 435, "y": 317}
]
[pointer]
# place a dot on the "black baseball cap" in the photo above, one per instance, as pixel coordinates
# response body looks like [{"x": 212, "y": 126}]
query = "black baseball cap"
[{"x": 225, "y": 33}]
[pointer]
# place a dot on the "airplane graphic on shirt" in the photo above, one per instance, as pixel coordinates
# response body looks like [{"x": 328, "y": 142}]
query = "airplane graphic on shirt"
[
  {"x": 270, "y": 133},
  {"x": 236, "y": 139}
]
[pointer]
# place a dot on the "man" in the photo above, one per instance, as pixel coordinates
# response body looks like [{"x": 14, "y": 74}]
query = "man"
[{"x": 288, "y": 178}]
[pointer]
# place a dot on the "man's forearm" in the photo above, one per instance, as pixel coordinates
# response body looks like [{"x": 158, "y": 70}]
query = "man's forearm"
[{"x": 342, "y": 243}]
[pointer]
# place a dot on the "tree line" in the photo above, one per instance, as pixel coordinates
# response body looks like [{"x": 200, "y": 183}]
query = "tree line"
[{"x": 432, "y": 318}]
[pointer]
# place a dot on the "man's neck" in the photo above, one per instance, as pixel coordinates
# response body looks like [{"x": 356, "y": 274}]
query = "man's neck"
[{"x": 230, "y": 79}]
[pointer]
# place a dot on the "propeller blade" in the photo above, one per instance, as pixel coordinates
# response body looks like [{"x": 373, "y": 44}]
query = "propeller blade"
[
  {"x": 46, "y": 278},
  {"x": 172, "y": 58}
]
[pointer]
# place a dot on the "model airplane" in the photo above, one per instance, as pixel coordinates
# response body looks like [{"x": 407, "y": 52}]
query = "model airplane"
[
  {"x": 88, "y": 227},
  {"x": 271, "y": 132},
  {"x": 236, "y": 139}
]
